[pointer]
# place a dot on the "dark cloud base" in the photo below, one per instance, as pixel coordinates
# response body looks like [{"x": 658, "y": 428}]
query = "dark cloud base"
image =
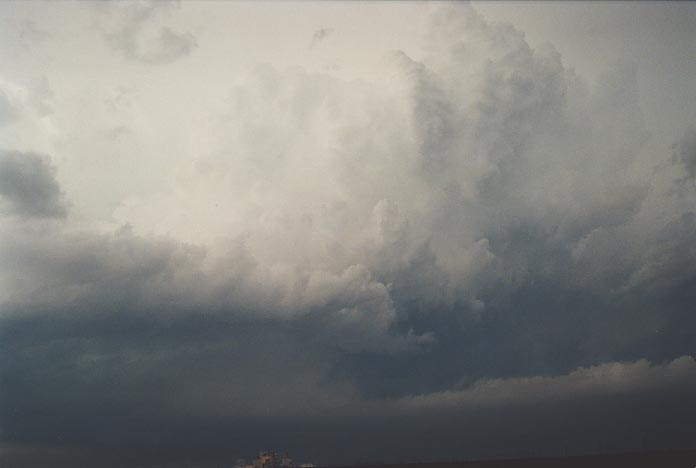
[
  {"x": 28, "y": 186},
  {"x": 602, "y": 425},
  {"x": 113, "y": 412}
]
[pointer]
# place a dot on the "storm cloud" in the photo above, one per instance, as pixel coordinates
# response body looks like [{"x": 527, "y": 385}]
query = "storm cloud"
[
  {"x": 131, "y": 29},
  {"x": 28, "y": 187},
  {"x": 686, "y": 153},
  {"x": 473, "y": 238}
]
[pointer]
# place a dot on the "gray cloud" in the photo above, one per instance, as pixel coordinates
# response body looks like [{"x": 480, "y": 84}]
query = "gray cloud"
[
  {"x": 168, "y": 47},
  {"x": 487, "y": 238},
  {"x": 163, "y": 277},
  {"x": 686, "y": 153},
  {"x": 30, "y": 34},
  {"x": 8, "y": 112},
  {"x": 28, "y": 186},
  {"x": 489, "y": 177},
  {"x": 606, "y": 379},
  {"x": 19, "y": 102},
  {"x": 187, "y": 373},
  {"x": 319, "y": 35},
  {"x": 131, "y": 29}
]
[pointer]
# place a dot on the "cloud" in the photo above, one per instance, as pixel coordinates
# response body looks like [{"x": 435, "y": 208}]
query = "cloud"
[
  {"x": 686, "y": 153},
  {"x": 482, "y": 144},
  {"x": 131, "y": 29},
  {"x": 194, "y": 373},
  {"x": 615, "y": 378},
  {"x": 160, "y": 277},
  {"x": 478, "y": 230},
  {"x": 20, "y": 103},
  {"x": 319, "y": 35},
  {"x": 28, "y": 186},
  {"x": 29, "y": 34},
  {"x": 8, "y": 112},
  {"x": 168, "y": 46},
  {"x": 485, "y": 170}
]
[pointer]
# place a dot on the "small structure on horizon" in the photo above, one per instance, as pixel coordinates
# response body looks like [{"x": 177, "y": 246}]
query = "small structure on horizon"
[{"x": 269, "y": 459}]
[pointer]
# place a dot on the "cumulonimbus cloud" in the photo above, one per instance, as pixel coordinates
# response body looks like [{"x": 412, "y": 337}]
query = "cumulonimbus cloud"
[
  {"x": 444, "y": 185},
  {"x": 482, "y": 208},
  {"x": 371, "y": 205}
]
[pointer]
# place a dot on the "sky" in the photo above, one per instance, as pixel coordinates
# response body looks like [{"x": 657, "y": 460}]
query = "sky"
[{"x": 354, "y": 232}]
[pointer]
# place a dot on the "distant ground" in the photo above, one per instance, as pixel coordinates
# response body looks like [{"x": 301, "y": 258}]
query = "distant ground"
[{"x": 667, "y": 459}]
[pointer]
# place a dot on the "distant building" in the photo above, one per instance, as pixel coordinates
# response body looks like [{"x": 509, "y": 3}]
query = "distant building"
[{"x": 272, "y": 460}]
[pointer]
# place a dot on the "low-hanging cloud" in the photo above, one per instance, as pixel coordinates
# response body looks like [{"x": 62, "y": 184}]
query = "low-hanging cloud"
[
  {"x": 28, "y": 187},
  {"x": 607, "y": 379}
]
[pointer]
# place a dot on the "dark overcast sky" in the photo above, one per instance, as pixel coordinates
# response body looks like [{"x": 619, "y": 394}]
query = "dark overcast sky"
[{"x": 352, "y": 232}]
